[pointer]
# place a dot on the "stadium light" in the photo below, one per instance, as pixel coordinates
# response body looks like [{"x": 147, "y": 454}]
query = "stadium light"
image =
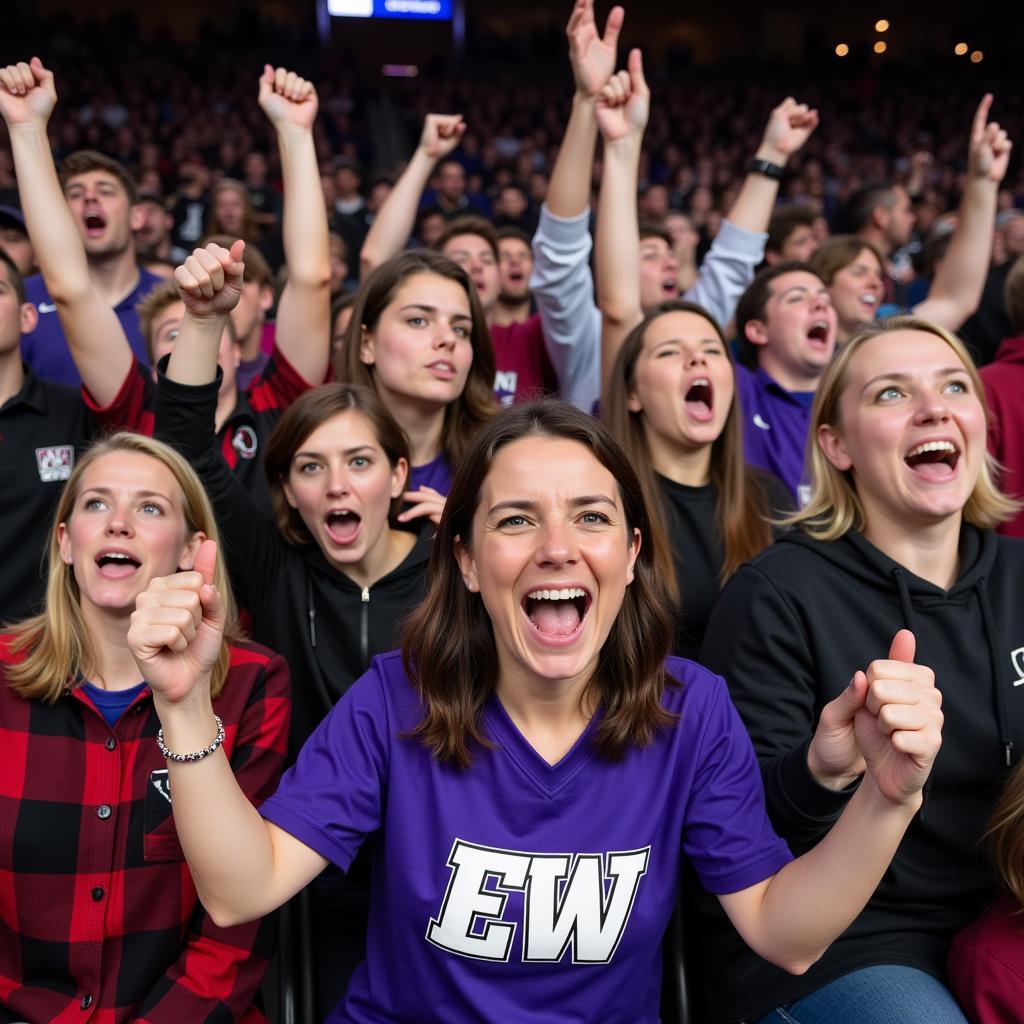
[{"x": 842, "y": 50}]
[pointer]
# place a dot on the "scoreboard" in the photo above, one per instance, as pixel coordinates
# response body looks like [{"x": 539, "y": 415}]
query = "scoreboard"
[{"x": 430, "y": 10}]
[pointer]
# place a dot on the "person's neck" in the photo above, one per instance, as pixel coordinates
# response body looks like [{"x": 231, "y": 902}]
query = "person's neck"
[
  {"x": 549, "y": 713},
  {"x": 423, "y": 424},
  {"x": 251, "y": 345},
  {"x": 790, "y": 379},
  {"x": 514, "y": 312},
  {"x": 930, "y": 551},
  {"x": 876, "y": 239},
  {"x": 387, "y": 554},
  {"x": 114, "y": 667},
  {"x": 115, "y": 275},
  {"x": 688, "y": 466},
  {"x": 12, "y": 374}
]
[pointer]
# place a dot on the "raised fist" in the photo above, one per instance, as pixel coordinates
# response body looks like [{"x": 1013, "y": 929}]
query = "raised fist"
[
  {"x": 286, "y": 98},
  {"x": 27, "y": 93},
  {"x": 441, "y": 134},
  {"x": 210, "y": 280},
  {"x": 623, "y": 105}
]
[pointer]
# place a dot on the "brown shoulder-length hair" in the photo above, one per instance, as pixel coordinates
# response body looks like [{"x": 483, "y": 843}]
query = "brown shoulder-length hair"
[
  {"x": 741, "y": 504},
  {"x": 448, "y": 641},
  {"x": 476, "y": 405},
  {"x": 838, "y": 253},
  {"x": 56, "y": 643},
  {"x": 250, "y": 229},
  {"x": 1005, "y": 835},
  {"x": 306, "y": 414}
]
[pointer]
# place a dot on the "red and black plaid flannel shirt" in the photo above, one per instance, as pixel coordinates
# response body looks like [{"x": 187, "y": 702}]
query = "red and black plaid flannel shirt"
[{"x": 99, "y": 918}]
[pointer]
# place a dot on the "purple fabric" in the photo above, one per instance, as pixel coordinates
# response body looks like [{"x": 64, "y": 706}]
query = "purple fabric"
[
  {"x": 247, "y": 372},
  {"x": 46, "y": 350},
  {"x": 436, "y": 474},
  {"x": 589, "y": 847},
  {"x": 775, "y": 424}
]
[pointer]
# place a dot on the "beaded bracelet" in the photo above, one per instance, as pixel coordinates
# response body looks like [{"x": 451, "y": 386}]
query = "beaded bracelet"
[{"x": 199, "y": 754}]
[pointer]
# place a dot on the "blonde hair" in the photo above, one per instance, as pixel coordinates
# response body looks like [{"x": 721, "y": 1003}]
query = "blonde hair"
[
  {"x": 1005, "y": 834},
  {"x": 834, "y": 506},
  {"x": 56, "y": 642}
]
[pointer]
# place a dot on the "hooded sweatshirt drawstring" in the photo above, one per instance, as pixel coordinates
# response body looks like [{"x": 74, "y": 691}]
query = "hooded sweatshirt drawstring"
[{"x": 1002, "y": 717}]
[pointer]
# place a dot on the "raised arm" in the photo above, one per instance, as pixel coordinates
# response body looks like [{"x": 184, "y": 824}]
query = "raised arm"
[
  {"x": 93, "y": 331},
  {"x": 562, "y": 284},
  {"x": 738, "y": 248},
  {"x": 896, "y": 721},
  {"x": 243, "y": 867},
  {"x": 391, "y": 228},
  {"x": 622, "y": 111},
  {"x": 960, "y": 278},
  {"x": 303, "y": 314}
]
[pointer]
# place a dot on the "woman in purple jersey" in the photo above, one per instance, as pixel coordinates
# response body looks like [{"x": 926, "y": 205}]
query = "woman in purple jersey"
[
  {"x": 529, "y": 768},
  {"x": 418, "y": 335}
]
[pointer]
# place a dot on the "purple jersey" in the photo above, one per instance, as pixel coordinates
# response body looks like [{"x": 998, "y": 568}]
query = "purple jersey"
[
  {"x": 775, "y": 424},
  {"x": 519, "y": 889},
  {"x": 46, "y": 350},
  {"x": 437, "y": 474}
]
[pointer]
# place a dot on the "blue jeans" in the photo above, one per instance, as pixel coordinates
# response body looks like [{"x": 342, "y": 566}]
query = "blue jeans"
[{"x": 886, "y": 994}]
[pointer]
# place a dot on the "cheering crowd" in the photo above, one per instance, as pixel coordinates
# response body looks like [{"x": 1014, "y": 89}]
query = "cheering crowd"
[{"x": 598, "y": 513}]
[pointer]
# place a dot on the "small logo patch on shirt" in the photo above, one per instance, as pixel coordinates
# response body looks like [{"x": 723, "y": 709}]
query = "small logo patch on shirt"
[
  {"x": 244, "y": 442},
  {"x": 1017, "y": 657},
  {"x": 47, "y": 307},
  {"x": 760, "y": 422},
  {"x": 160, "y": 781},
  {"x": 55, "y": 462}
]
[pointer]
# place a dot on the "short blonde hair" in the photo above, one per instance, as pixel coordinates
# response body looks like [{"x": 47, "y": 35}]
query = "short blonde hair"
[
  {"x": 834, "y": 506},
  {"x": 56, "y": 642}
]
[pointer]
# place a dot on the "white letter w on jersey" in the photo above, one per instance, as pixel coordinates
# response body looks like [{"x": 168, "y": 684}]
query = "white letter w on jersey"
[{"x": 571, "y": 900}]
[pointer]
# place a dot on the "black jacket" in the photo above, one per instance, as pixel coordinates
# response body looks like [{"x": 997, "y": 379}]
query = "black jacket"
[
  {"x": 326, "y": 626},
  {"x": 788, "y": 633}
]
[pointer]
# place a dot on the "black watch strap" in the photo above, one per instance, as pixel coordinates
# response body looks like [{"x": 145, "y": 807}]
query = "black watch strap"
[{"x": 767, "y": 168}]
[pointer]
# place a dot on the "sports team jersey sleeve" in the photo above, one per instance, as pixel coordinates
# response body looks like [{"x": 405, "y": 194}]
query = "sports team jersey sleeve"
[
  {"x": 538, "y": 891},
  {"x": 772, "y": 680},
  {"x": 132, "y": 407},
  {"x": 563, "y": 288}
]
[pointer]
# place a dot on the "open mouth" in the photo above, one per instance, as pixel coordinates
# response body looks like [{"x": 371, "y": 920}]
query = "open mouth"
[
  {"x": 94, "y": 224},
  {"x": 442, "y": 370},
  {"x": 116, "y": 565},
  {"x": 557, "y": 615},
  {"x": 818, "y": 334},
  {"x": 934, "y": 460},
  {"x": 342, "y": 526},
  {"x": 670, "y": 286},
  {"x": 699, "y": 399}
]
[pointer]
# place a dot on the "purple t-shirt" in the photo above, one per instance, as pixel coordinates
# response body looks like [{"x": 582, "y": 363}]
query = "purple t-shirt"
[
  {"x": 775, "y": 425},
  {"x": 437, "y": 474},
  {"x": 46, "y": 349},
  {"x": 526, "y": 891}
]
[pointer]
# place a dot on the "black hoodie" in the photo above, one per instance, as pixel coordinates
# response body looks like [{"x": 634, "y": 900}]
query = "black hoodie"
[
  {"x": 788, "y": 633},
  {"x": 326, "y": 626}
]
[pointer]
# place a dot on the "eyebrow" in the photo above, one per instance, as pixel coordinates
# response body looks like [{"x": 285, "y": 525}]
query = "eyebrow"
[
  {"x": 433, "y": 309},
  {"x": 107, "y": 492},
  {"x": 525, "y": 505},
  {"x": 680, "y": 341},
  {"x": 345, "y": 451},
  {"x": 902, "y": 378}
]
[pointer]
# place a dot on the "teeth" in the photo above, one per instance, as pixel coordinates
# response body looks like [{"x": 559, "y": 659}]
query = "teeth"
[
  {"x": 932, "y": 446},
  {"x": 565, "y": 594},
  {"x": 700, "y": 382},
  {"x": 118, "y": 557},
  {"x": 871, "y": 300}
]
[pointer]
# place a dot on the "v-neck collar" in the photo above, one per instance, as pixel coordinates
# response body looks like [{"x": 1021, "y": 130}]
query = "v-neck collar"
[{"x": 548, "y": 778}]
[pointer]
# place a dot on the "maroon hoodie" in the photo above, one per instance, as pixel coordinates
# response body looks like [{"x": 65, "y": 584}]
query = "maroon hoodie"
[{"x": 1004, "y": 389}]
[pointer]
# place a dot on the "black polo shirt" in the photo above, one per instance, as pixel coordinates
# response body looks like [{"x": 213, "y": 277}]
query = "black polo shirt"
[{"x": 42, "y": 429}]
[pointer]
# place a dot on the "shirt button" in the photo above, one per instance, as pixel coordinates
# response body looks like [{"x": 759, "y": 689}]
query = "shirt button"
[
  {"x": 86, "y": 1001},
  {"x": 110, "y": 743},
  {"x": 97, "y": 893},
  {"x": 103, "y": 811}
]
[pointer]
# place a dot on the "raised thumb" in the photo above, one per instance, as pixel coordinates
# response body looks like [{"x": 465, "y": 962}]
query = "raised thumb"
[
  {"x": 903, "y": 646},
  {"x": 206, "y": 561}
]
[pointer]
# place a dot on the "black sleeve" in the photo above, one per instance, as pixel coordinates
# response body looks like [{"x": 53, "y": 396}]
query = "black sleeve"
[
  {"x": 756, "y": 640},
  {"x": 254, "y": 550}
]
